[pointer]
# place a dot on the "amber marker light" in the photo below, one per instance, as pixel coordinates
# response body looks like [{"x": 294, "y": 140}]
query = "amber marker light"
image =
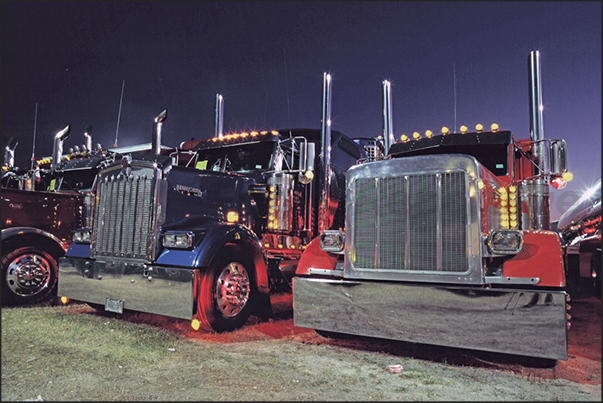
[
  {"x": 404, "y": 138},
  {"x": 195, "y": 324},
  {"x": 494, "y": 127},
  {"x": 428, "y": 134},
  {"x": 567, "y": 176},
  {"x": 463, "y": 129},
  {"x": 416, "y": 135},
  {"x": 64, "y": 300},
  {"x": 445, "y": 130},
  {"x": 232, "y": 217},
  {"x": 479, "y": 127}
]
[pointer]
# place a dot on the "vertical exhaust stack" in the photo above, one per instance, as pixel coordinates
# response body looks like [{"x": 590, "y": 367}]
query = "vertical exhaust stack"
[
  {"x": 534, "y": 194},
  {"x": 157, "y": 124},
  {"x": 388, "y": 130},
  {"x": 219, "y": 115},
  {"x": 536, "y": 126},
  {"x": 57, "y": 150},
  {"x": 325, "y": 152},
  {"x": 9, "y": 152},
  {"x": 88, "y": 138}
]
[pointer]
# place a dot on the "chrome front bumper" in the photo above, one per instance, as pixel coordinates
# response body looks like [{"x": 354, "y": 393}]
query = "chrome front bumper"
[
  {"x": 143, "y": 288},
  {"x": 504, "y": 320}
]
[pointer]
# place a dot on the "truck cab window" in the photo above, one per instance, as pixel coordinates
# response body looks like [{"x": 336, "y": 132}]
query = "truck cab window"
[{"x": 243, "y": 158}]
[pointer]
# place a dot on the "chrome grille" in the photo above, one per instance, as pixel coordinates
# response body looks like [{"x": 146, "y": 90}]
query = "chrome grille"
[
  {"x": 413, "y": 222},
  {"x": 123, "y": 226}
]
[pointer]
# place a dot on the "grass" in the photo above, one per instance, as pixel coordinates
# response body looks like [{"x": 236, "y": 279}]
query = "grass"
[{"x": 72, "y": 353}]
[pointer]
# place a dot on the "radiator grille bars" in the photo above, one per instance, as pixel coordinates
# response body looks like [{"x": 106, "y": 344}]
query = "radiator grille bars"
[
  {"x": 411, "y": 222},
  {"x": 123, "y": 227}
]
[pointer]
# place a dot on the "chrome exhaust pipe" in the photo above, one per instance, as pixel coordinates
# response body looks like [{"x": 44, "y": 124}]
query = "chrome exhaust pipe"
[
  {"x": 534, "y": 194},
  {"x": 9, "y": 152},
  {"x": 57, "y": 150},
  {"x": 157, "y": 124},
  {"x": 536, "y": 126},
  {"x": 388, "y": 130},
  {"x": 325, "y": 152},
  {"x": 88, "y": 138},
  {"x": 219, "y": 115}
]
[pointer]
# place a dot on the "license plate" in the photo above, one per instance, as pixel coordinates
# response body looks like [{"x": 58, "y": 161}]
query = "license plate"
[{"x": 114, "y": 305}]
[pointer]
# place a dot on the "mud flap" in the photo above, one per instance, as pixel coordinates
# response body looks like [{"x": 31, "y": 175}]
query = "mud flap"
[{"x": 278, "y": 281}]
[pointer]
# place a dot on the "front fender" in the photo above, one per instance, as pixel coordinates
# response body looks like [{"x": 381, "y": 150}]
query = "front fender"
[
  {"x": 216, "y": 236},
  {"x": 16, "y": 233}
]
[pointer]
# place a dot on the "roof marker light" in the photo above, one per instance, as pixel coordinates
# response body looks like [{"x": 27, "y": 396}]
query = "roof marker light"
[
  {"x": 428, "y": 134},
  {"x": 445, "y": 130},
  {"x": 404, "y": 138},
  {"x": 416, "y": 135},
  {"x": 494, "y": 127},
  {"x": 463, "y": 129},
  {"x": 479, "y": 127}
]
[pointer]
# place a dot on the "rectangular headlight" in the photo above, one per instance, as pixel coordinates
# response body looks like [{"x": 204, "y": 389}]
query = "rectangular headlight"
[
  {"x": 332, "y": 241},
  {"x": 505, "y": 241},
  {"x": 178, "y": 240},
  {"x": 82, "y": 235}
]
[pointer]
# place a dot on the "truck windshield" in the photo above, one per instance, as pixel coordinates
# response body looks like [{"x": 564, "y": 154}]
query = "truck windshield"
[
  {"x": 494, "y": 157},
  {"x": 79, "y": 179},
  {"x": 241, "y": 158}
]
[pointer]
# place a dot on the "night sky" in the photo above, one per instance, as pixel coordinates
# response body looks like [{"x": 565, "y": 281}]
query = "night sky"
[{"x": 267, "y": 60}]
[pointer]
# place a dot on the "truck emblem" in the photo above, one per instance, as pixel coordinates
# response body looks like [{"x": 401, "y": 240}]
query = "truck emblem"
[{"x": 190, "y": 191}]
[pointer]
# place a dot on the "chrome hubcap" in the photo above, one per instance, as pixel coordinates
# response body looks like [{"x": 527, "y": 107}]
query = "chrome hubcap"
[
  {"x": 28, "y": 274},
  {"x": 232, "y": 289}
]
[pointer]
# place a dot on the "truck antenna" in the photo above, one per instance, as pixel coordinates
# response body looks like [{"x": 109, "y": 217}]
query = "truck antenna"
[
  {"x": 454, "y": 81},
  {"x": 287, "y": 91},
  {"x": 119, "y": 113},
  {"x": 33, "y": 149}
]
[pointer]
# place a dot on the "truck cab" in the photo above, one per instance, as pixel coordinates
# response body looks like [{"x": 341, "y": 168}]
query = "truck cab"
[
  {"x": 206, "y": 231},
  {"x": 447, "y": 241}
]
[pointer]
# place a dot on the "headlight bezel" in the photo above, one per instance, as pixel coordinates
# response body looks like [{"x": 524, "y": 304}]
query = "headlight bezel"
[
  {"x": 505, "y": 241},
  {"x": 332, "y": 241},
  {"x": 82, "y": 236},
  {"x": 178, "y": 239}
]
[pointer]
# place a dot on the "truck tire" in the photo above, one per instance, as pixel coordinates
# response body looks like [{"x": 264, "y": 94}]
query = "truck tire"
[
  {"x": 29, "y": 275},
  {"x": 226, "y": 291}
]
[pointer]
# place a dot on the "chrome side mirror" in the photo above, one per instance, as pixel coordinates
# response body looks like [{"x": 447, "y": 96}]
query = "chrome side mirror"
[{"x": 558, "y": 157}]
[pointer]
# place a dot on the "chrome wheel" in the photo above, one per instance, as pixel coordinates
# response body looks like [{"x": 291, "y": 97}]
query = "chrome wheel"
[
  {"x": 232, "y": 289},
  {"x": 28, "y": 274}
]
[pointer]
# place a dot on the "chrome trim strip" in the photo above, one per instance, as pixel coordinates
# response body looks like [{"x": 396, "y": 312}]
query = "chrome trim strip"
[{"x": 439, "y": 221}]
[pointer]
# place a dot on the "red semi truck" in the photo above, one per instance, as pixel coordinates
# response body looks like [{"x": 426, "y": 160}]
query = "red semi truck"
[
  {"x": 447, "y": 242},
  {"x": 41, "y": 208}
]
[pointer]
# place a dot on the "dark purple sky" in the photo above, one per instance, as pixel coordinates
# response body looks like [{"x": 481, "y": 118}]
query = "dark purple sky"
[{"x": 267, "y": 59}]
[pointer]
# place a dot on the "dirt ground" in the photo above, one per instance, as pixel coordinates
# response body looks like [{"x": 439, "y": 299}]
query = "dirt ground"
[{"x": 584, "y": 344}]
